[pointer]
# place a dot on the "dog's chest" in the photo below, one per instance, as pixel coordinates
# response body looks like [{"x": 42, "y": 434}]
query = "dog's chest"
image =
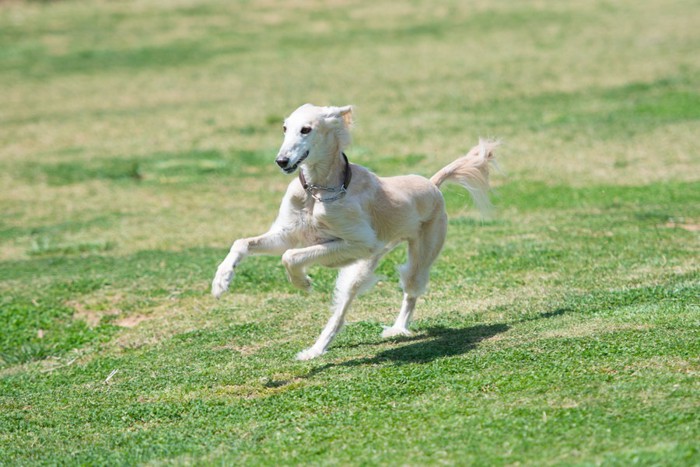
[{"x": 315, "y": 223}]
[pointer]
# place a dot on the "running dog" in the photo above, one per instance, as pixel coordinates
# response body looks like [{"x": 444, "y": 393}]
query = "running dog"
[{"x": 341, "y": 215}]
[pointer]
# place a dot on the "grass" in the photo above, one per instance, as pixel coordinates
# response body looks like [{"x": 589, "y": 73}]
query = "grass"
[{"x": 137, "y": 142}]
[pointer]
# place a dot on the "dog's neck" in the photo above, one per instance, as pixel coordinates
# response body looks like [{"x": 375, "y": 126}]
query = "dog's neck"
[{"x": 327, "y": 171}]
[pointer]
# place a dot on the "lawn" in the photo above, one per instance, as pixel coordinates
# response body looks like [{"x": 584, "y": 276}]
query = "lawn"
[{"x": 137, "y": 141}]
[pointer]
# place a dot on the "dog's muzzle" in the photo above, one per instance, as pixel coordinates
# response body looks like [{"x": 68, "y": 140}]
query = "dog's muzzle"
[{"x": 283, "y": 162}]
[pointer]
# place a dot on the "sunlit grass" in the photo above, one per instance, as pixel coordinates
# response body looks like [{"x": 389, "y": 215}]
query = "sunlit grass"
[{"x": 137, "y": 141}]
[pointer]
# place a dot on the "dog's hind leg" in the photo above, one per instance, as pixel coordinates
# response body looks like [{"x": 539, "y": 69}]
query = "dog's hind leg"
[
  {"x": 352, "y": 281},
  {"x": 422, "y": 251}
]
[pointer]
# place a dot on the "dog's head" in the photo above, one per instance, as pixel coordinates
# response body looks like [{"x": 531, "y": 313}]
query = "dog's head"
[{"x": 312, "y": 132}]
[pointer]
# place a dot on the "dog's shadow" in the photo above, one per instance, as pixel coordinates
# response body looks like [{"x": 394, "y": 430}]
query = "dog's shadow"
[
  {"x": 430, "y": 344},
  {"x": 434, "y": 343},
  {"x": 439, "y": 341}
]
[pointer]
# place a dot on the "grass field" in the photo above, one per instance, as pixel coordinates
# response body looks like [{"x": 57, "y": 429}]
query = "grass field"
[{"x": 137, "y": 142}]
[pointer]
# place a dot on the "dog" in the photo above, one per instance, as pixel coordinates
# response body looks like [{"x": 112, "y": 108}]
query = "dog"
[{"x": 341, "y": 215}]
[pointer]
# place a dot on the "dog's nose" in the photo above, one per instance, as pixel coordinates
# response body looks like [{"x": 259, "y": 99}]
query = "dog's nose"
[{"x": 283, "y": 162}]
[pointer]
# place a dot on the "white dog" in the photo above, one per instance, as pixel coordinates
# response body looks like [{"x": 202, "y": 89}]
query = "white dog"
[{"x": 341, "y": 215}]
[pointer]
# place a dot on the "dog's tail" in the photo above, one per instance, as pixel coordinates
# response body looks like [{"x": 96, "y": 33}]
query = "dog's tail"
[{"x": 472, "y": 172}]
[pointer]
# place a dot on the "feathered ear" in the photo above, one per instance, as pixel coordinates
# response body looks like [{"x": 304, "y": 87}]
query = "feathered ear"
[{"x": 344, "y": 113}]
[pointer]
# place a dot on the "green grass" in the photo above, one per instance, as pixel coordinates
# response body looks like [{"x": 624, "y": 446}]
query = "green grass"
[{"x": 138, "y": 141}]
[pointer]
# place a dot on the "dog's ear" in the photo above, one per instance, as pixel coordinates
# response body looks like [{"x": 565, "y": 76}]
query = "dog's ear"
[{"x": 344, "y": 113}]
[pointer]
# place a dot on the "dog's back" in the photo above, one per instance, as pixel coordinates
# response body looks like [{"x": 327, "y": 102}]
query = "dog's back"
[{"x": 397, "y": 205}]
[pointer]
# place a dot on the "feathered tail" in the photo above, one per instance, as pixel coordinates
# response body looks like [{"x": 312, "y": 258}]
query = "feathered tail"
[{"x": 472, "y": 172}]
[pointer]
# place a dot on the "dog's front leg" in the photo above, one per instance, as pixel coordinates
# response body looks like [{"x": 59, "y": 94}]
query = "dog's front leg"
[
  {"x": 273, "y": 242},
  {"x": 352, "y": 280},
  {"x": 357, "y": 260}
]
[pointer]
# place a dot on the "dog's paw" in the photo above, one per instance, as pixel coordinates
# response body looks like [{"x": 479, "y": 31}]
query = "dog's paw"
[
  {"x": 309, "y": 353},
  {"x": 395, "y": 332},
  {"x": 221, "y": 281},
  {"x": 302, "y": 282}
]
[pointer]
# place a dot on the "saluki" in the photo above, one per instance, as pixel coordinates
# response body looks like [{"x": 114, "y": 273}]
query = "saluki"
[{"x": 341, "y": 215}]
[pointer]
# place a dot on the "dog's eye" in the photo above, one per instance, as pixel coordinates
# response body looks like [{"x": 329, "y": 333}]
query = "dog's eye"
[
  {"x": 284, "y": 129},
  {"x": 306, "y": 130}
]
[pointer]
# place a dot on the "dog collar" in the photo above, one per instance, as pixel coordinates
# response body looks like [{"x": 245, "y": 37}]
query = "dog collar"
[{"x": 340, "y": 191}]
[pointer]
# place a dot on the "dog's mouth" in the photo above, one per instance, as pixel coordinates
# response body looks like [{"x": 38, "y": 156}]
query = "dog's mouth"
[{"x": 289, "y": 170}]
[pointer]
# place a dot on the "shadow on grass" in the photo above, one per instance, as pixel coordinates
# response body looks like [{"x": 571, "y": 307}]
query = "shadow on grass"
[
  {"x": 433, "y": 343},
  {"x": 436, "y": 342},
  {"x": 440, "y": 341}
]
